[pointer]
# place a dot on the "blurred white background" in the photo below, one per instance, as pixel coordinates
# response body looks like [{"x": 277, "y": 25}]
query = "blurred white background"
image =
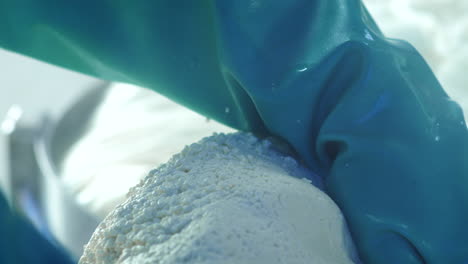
[{"x": 37, "y": 88}]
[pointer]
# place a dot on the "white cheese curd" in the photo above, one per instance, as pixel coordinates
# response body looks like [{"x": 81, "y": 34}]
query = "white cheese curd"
[{"x": 226, "y": 199}]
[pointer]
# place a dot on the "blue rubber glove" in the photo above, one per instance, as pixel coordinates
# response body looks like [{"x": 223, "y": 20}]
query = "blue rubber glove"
[
  {"x": 21, "y": 243},
  {"x": 364, "y": 112}
]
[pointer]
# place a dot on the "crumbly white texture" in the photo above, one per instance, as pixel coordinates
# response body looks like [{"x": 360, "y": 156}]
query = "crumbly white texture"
[{"x": 227, "y": 199}]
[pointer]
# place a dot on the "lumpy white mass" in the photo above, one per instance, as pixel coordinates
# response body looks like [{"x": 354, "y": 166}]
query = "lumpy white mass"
[{"x": 226, "y": 199}]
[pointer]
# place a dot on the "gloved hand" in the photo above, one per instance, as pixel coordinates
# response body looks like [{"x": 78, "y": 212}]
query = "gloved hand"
[
  {"x": 20, "y": 243},
  {"x": 366, "y": 113}
]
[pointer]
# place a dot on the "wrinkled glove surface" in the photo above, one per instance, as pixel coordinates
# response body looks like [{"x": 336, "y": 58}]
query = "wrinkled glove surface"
[
  {"x": 21, "y": 243},
  {"x": 364, "y": 112}
]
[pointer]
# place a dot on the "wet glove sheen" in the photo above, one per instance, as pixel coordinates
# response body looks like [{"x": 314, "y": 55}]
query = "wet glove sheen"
[{"x": 364, "y": 112}]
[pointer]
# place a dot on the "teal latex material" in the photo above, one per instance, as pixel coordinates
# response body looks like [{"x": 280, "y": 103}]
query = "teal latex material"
[
  {"x": 21, "y": 243},
  {"x": 364, "y": 112}
]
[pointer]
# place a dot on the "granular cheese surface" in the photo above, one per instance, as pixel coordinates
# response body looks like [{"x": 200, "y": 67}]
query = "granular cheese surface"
[{"x": 226, "y": 199}]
